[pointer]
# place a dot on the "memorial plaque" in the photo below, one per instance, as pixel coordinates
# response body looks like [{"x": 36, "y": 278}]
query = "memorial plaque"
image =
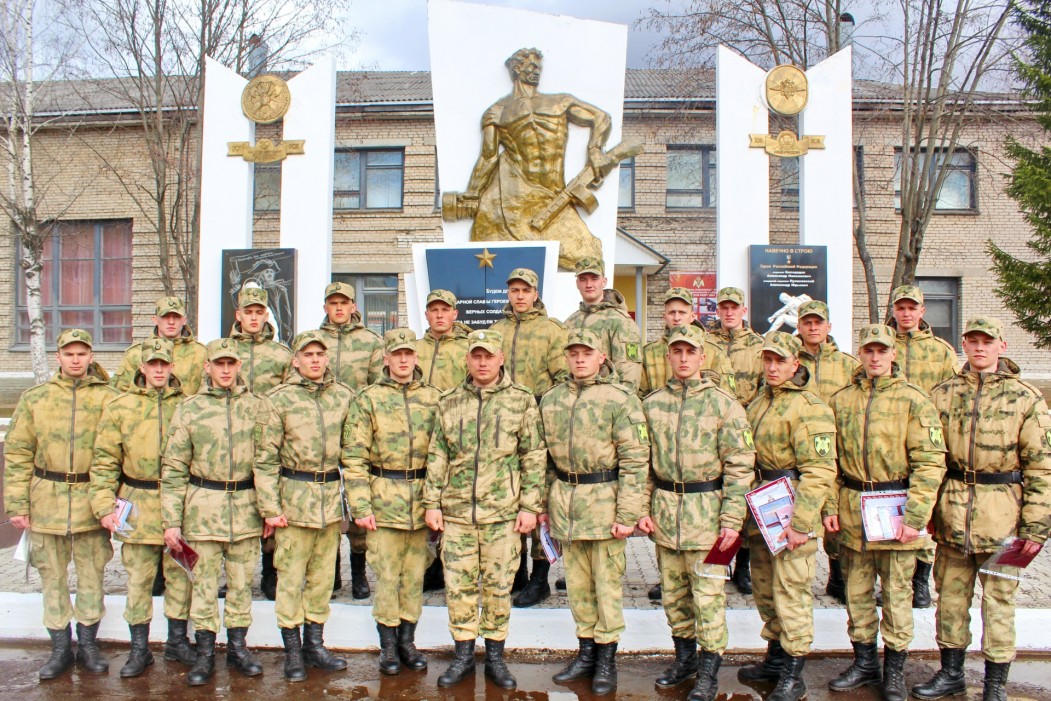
[
  {"x": 781, "y": 279},
  {"x": 704, "y": 289},
  {"x": 274, "y": 270}
]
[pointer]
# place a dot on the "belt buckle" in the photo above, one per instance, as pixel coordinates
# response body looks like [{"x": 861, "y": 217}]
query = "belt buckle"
[
  {"x": 970, "y": 477},
  {"x": 70, "y": 478},
  {"x": 678, "y": 487},
  {"x": 868, "y": 485},
  {"x": 229, "y": 486},
  {"x": 574, "y": 478},
  {"x": 319, "y": 478}
]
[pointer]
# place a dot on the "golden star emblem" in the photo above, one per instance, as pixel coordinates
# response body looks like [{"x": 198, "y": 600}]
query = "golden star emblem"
[{"x": 485, "y": 258}]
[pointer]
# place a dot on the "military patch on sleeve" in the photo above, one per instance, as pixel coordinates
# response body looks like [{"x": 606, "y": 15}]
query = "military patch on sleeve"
[
  {"x": 644, "y": 433},
  {"x": 632, "y": 351},
  {"x": 936, "y": 435},
  {"x": 748, "y": 441},
  {"x": 732, "y": 381},
  {"x": 1047, "y": 435},
  {"x": 257, "y": 435},
  {"x": 823, "y": 444}
]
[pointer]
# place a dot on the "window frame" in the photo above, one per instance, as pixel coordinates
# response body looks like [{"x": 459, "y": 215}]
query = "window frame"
[
  {"x": 363, "y": 292},
  {"x": 929, "y": 296},
  {"x": 363, "y": 171},
  {"x": 628, "y": 164},
  {"x": 970, "y": 169},
  {"x": 708, "y": 164}
]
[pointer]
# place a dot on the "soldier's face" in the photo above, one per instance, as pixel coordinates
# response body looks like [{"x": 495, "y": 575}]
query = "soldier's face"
[
  {"x": 983, "y": 351},
  {"x": 521, "y": 295},
  {"x": 731, "y": 314},
  {"x": 877, "y": 358},
  {"x": 777, "y": 370},
  {"x": 591, "y": 287},
  {"x": 74, "y": 359},
  {"x": 223, "y": 372},
  {"x": 440, "y": 317},
  {"x": 170, "y": 325},
  {"x": 311, "y": 361},
  {"x": 484, "y": 367},
  {"x": 584, "y": 362},
  {"x": 338, "y": 309},
  {"x": 400, "y": 364},
  {"x": 252, "y": 317},
  {"x": 908, "y": 314},
  {"x": 685, "y": 360},
  {"x": 814, "y": 330},
  {"x": 156, "y": 372},
  {"x": 677, "y": 313}
]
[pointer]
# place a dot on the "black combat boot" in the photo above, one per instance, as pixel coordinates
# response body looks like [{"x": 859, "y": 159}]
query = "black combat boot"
[
  {"x": 337, "y": 577},
  {"x": 268, "y": 578},
  {"x": 88, "y": 654},
  {"x": 685, "y": 664},
  {"x": 177, "y": 647},
  {"x": 61, "y": 658},
  {"x": 921, "y": 585},
  {"x": 462, "y": 664},
  {"x": 204, "y": 665},
  {"x": 407, "y": 652},
  {"x": 158, "y": 581},
  {"x": 389, "y": 662},
  {"x": 742, "y": 577},
  {"x": 583, "y": 665},
  {"x": 995, "y": 687},
  {"x": 656, "y": 592},
  {"x": 790, "y": 686},
  {"x": 140, "y": 656},
  {"x": 707, "y": 685},
  {"x": 522, "y": 575},
  {"x": 769, "y": 670},
  {"x": 434, "y": 576},
  {"x": 863, "y": 671},
  {"x": 947, "y": 681},
  {"x": 359, "y": 584},
  {"x": 495, "y": 666},
  {"x": 894, "y": 674},
  {"x": 314, "y": 652},
  {"x": 238, "y": 655},
  {"x": 836, "y": 587},
  {"x": 295, "y": 670},
  {"x": 605, "y": 678},
  {"x": 537, "y": 589}
]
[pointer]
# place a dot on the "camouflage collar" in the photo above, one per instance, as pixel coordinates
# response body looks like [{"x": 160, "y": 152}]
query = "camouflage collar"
[
  {"x": 1005, "y": 368},
  {"x": 690, "y": 386},
  {"x": 797, "y": 383},
  {"x": 138, "y": 385},
  {"x": 503, "y": 383},
  {"x": 611, "y": 299},
  {"x": 607, "y": 375},
  {"x": 923, "y": 330},
  {"x": 353, "y": 323},
  {"x": 185, "y": 336},
  {"x": 387, "y": 380},
  {"x": 294, "y": 377},
  {"x": 239, "y": 388},
  {"x": 459, "y": 330},
  {"x": 96, "y": 375},
  {"x": 896, "y": 375},
  {"x": 538, "y": 310},
  {"x": 267, "y": 333}
]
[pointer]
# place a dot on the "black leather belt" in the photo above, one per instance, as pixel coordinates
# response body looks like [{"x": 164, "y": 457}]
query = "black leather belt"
[
  {"x": 689, "y": 487},
  {"x": 972, "y": 477},
  {"x": 310, "y": 475},
  {"x": 398, "y": 474},
  {"x": 859, "y": 486},
  {"x": 153, "y": 485},
  {"x": 67, "y": 477},
  {"x": 222, "y": 485},
  {"x": 575, "y": 478},
  {"x": 767, "y": 475}
]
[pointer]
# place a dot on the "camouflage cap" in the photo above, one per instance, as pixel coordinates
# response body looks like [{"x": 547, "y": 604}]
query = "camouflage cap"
[
  {"x": 222, "y": 348},
  {"x": 815, "y": 307},
  {"x": 170, "y": 305},
  {"x": 784, "y": 344},
  {"x": 302, "y": 340},
  {"x": 876, "y": 333},
  {"x": 525, "y": 275},
  {"x": 339, "y": 288},
  {"x": 492, "y": 341},
  {"x": 158, "y": 349},
  {"x": 907, "y": 292},
  {"x": 686, "y": 334},
  {"x": 730, "y": 294},
  {"x": 590, "y": 264},
  {"x": 442, "y": 296},
  {"x": 583, "y": 337},
  {"x": 985, "y": 324},
  {"x": 680, "y": 293},
  {"x": 252, "y": 295},
  {"x": 399, "y": 339},
  {"x": 74, "y": 336}
]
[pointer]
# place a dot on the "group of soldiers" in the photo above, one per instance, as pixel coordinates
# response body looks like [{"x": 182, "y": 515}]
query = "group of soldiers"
[{"x": 460, "y": 444}]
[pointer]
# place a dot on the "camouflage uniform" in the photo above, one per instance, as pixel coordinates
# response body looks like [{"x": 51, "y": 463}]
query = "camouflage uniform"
[
  {"x": 264, "y": 360},
  {"x": 533, "y": 348},
  {"x": 655, "y": 369},
  {"x": 743, "y": 347},
  {"x": 442, "y": 359},
  {"x": 189, "y": 354},
  {"x": 355, "y": 352}
]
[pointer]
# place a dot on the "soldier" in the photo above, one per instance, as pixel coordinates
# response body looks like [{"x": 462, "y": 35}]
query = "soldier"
[
  {"x": 598, "y": 448},
  {"x": 702, "y": 467},
  {"x": 603, "y": 311},
  {"x": 830, "y": 371},
  {"x": 356, "y": 359},
  {"x": 485, "y": 470},
  {"x": 795, "y": 438},
  {"x": 169, "y": 321},
  {"x": 385, "y": 456},
  {"x": 926, "y": 361},
  {"x": 998, "y": 434},
  {"x": 208, "y": 496},
  {"x": 127, "y": 464},
  {"x": 47, "y": 456},
  {"x": 298, "y": 487},
  {"x": 533, "y": 344},
  {"x": 743, "y": 347},
  {"x": 888, "y": 437}
]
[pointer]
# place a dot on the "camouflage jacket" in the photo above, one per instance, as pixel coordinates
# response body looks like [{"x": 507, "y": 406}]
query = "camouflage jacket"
[
  {"x": 214, "y": 434},
  {"x": 533, "y": 348},
  {"x": 390, "y": 427},
  {"x": 610, "y": 321},
  {"x": 794, "y": 430},
  {"x": 591, "y": 426},
  {"x": 53, "y": 428},
  {"x": 886, "y": 429},
  {"x": 698, "y": 433},
  {"x": 355, "y": 353},
  {"x": 993, "y": 422},
  {"x": 444, "y": 360},
  {"x": 744, "y": 348},
  {"x": 656, "y": 371},
  {"x": 925, "y": 359},
  {"x": 830, "y": 370},
  {"x": 189, "y": 363},
  {"x": 264, "y": 361},
  {"x": 130, "y": 441},
  {"x": 487, "y": 456},
  {"x": 303, "y": 433}
]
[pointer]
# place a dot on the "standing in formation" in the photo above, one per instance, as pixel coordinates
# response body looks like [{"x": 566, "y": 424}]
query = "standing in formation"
[{"x": 169, "y": 322}]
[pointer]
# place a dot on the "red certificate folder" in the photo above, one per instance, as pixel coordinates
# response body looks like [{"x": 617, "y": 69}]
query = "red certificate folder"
[{"x": 716, "y": 556}]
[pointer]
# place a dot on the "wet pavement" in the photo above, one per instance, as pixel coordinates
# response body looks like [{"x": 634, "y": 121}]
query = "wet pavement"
[{"x": 1030, "y": 679}]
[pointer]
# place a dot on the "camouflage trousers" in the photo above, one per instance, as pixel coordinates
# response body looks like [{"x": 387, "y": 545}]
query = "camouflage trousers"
[
  {"x": 895, "y": 569},
  {"x": 357, "y": 539},
  {"x": 304, "y": 559},
  {"x": 927, "y": 554},
  {"x": 781, "y": 587},
  {"x": 531, "y": 544},
  {"x": 240, "y": 558},
  {"x": 694, "y": 605},
  {"x": 141, "y": 561},
  {"x": 480, "y": 563},
  {"x": 399, "y": 559},
  {"x": 954, "y": 575},
  {"x": 51, "y": 555},
  {"x": 595, "y": 587},
  {"x": 830, "y": 543}
]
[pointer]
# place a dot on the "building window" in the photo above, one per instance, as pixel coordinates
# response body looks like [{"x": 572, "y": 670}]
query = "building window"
[
  {"x": 941, "y": 297},
  {"x": 626, "y": 193},
  {"x": 267, "y": 187},
  {"x": 691, "y": 177},
  {"x": 85, "y": 282},
  {"x": 368, "y": 179},
  {"x": 376, "y": 297},
  {"x": 790, "y": 183},
  {"x": 958, "y": 192}
]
